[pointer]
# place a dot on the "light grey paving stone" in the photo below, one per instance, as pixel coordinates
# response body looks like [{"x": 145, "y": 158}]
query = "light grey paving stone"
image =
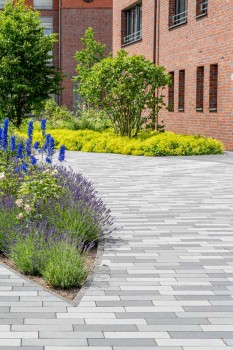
[
  {"x": 10, "y": 342},
  {"x": 3, "y": 347},
  {"x": 106, "y": 328},
  {"x": 122, "y": 342},
  {"x": 172, "y": 250},
  {"x": 77, "y": 347},
  {"x": 149, "y": 348},
  {"x": 54, "y": 342},
  {"x": 70, "y": 335}
]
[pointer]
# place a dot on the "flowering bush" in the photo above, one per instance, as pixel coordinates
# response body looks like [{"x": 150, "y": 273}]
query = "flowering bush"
[{"x": 46, "y": 208}]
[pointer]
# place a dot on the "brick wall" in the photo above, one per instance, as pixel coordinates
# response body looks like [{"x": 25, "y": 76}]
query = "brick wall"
[
  {"x": 75, "y": 21},
  {"x": 201, "y": 42},
  {"x": 198, "y": 43},
  {"x": 144, "y": 46}
]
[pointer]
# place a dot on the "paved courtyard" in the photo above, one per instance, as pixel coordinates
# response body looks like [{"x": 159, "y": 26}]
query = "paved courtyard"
[{"x": 166, "y": 275}]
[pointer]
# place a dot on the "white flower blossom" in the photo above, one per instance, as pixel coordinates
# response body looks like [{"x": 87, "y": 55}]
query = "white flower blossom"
[
  {"x": 19, "y": 216},
  {"x": 19, "y": 203},
  {"x": 28, "y": 208},
  {"x": 2, "y": 176}
]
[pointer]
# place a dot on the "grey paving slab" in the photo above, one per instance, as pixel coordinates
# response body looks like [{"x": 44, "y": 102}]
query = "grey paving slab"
[{"x": 166, "y": 275}]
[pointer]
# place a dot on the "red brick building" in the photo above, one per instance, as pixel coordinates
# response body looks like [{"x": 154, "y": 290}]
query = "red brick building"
[
  {"x": 70, "y": 19},
  {"x": 193, "y": 40}
]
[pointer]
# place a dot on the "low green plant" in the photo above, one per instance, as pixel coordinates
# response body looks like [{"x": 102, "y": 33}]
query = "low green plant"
[
  {"x": 8, "y": 219},
  {"x": 91, "y": 119},
  {"x": 28, "y": 255},
  {"x": 147, "y": 143},
  {"x": 36, "y": 189},
  {"x": 65, "y": 266},
  {"x": 58, "y": 117}
]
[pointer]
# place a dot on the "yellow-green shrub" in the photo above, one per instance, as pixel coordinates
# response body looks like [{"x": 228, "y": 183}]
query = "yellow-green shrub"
[{"x": 146, "y": 144}]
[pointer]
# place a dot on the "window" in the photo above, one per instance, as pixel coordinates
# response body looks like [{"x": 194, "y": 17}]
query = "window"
[
  {"x": 133, "y": 25},
  {"x": 171, "y": 93},
  {"x": 43, "y": 4},
  {"x": 181, "y": 96},
  {"x": 47, "y": 23},
  {"x": 213, "y": 94},
  {"x": 2, "y": 3},
  {"x": 202, "y": 8},
  {"x": 200, "y": 89},
  {"x": 178, "y": 12}
]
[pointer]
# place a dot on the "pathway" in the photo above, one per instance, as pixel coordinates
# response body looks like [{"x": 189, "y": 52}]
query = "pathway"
[{"x": 166, "y": 277}]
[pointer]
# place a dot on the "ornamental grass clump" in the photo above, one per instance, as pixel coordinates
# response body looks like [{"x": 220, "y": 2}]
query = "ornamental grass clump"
[{"x": 50, "y": 216}]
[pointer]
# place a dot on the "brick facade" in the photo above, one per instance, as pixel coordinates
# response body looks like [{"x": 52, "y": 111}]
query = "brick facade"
[
  {"x": 143, "y": 46},
  {"x": 204, "y": 41},
  {"x": 75, "y": 21}
]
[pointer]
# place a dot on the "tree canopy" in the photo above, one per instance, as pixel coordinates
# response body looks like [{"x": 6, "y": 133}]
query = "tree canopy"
[{"x": 27, "y": 75}]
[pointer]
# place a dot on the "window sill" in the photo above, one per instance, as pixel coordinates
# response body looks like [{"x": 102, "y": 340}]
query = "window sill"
[
  {"x": 199, "y": 109},
  {"x": 213, "y": 110},
  {"x": 132, "y": 42},
  {"x": 42, "y": 8},
  {"x": 180, "y": 109},
  {"x": 177, "y": 25},
  {"x": 202, "y": 15}
]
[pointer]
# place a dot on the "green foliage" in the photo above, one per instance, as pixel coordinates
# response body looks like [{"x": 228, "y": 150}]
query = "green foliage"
[
  {"x": 92, "y": 119},
  {"x": 124, "y": 87},
  {"x": 8, "y": 219},
  {"x": 61, "y": 264},
  {"x": 36, "y": 189},
  {"x": 65, "y": 266},
  {"x": 26, "y": 78},
  {"x": 27, "y": 255},
  {"x": 92, "y": 53},
  {"x": 58, "y": 117},
  {"x": 9, "y": 179},
  {"x": 147, "y": 143}
]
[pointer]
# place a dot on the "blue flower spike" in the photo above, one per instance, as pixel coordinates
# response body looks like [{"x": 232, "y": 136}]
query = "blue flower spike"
[{"x": 61, "y": 156}]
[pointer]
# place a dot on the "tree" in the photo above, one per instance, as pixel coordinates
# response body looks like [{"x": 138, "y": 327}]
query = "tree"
[
  {"x": 124, "y": 86},
  {"x": 92, "y": 53},
  {"x": 26, "y": 76}
]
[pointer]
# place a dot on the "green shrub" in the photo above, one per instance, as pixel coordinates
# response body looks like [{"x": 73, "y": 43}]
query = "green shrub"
[
  {"x": 146, "y": 144},
  {"x": 92, "y": 119},
  {"x": 124, "y": 87},
  {"x": 58, "y": 117},
  {"x": 65, "y": 266}
]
